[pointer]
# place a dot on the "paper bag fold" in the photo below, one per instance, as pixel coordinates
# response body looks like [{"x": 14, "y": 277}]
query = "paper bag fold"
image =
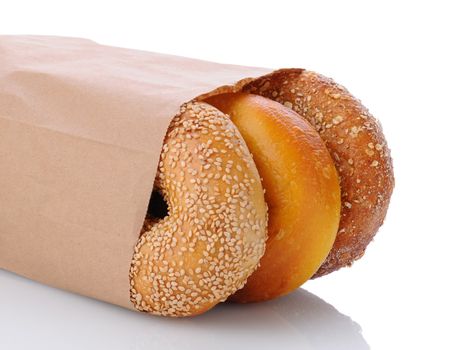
[{"x": 81, "y": 130}]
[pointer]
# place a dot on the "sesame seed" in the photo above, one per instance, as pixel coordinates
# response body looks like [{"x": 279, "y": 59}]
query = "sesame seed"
[
  {"x": 337, "y": 119},
  {"x": 201, "y": 214}
]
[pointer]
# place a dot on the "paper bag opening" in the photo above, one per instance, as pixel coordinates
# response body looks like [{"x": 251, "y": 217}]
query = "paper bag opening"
[{"x": 81, "y": 130}]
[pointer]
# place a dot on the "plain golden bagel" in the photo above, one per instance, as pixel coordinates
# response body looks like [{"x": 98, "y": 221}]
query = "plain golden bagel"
[
  {"x": 214, "y": 234},
  {"x": 301, "y": 190},
  {"x": 358, "y": 147}
]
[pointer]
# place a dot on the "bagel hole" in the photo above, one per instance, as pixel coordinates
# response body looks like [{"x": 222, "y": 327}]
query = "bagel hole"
[{"x": 157, "y": 206}]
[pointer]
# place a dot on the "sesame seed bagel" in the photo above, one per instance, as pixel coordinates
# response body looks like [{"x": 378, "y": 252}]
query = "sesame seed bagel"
[
  {"x": 357, "y": 145},
  {"x": 214, "y": 233}
]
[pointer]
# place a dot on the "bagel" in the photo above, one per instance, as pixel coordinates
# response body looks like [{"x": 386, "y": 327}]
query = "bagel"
[
  {"x": 358, "y": 147},
  {"x": 214, "y": 233},
  {"x": 302, "y": 193}
]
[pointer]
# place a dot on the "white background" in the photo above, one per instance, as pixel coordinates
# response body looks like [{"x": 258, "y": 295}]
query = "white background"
[{"x": 398, "y": 58}]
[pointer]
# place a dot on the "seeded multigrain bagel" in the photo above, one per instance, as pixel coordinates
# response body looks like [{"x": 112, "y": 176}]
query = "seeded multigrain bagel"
[
  {"x": 214, "y": 234},
  {"x": 357, "y": 145}
]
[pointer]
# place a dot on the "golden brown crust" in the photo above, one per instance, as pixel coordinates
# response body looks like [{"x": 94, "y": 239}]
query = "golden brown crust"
[
  {"x": 215, "y": 233},
  {"x": 301, "y": 190},
  {"x": 357, "y": 145}
]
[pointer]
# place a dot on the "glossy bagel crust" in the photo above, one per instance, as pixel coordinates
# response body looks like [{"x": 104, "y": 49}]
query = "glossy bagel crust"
[
  {"x": 357, "y": 145},
  {"x": 214, "y": 234},
  {"x": 301, "y": 190}
]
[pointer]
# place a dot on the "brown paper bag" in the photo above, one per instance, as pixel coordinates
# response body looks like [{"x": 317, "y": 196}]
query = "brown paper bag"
[{"x": 81, "y": 130}]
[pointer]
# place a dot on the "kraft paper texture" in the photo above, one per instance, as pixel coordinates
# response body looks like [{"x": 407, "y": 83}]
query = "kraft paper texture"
[{"x": 81, "y": 130}]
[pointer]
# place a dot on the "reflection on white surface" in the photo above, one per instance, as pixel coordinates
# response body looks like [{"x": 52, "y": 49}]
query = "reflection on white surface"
[{"x": 39, "y": 317}]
